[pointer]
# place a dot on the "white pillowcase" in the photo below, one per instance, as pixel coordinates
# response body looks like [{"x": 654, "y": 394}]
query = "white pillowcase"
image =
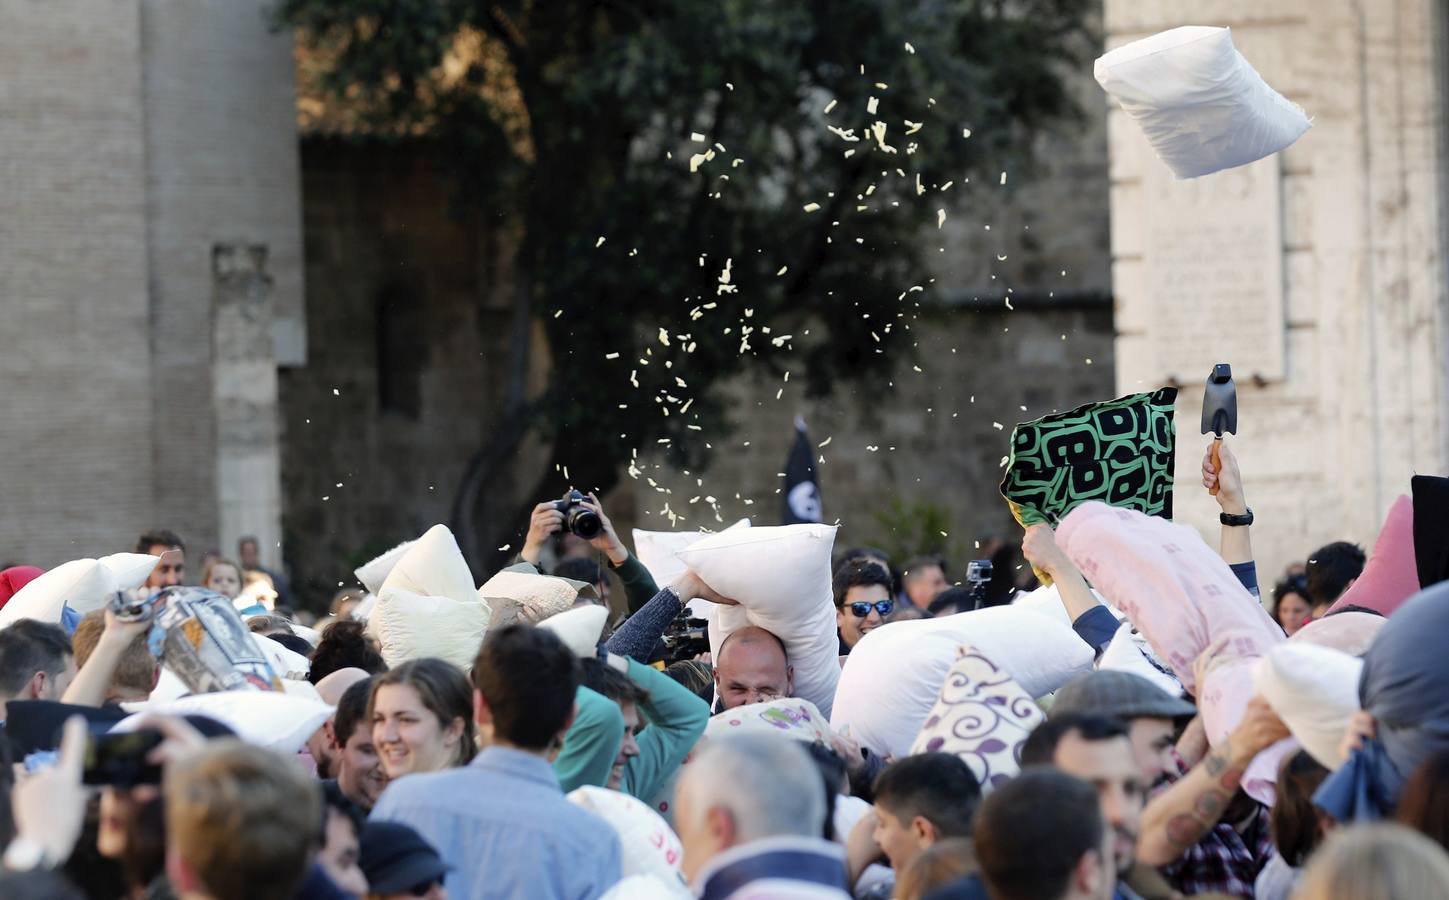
[
  {"x": 649, "y": 846},
  {"x": 283, "y": 661},
  {"x": 271, "y": 719},
  {"x": 657, "y": 551},
  {"x": 1201, "y": 105},
  {"x": 373, "y": 574},
  {"x": 793, "y": 718},
  {"x": 520, "y": 594},
  {"x": 1314, "y": 690},
  {"x": 893, "y": 675},
  {"x": 580, "y": 629},
  {"x": 82, "y": 584},
  {"x": 780, "y": 577},
  {"x": 413, "y": 626},
  {"x": 432, "y": 565},
  {"x": 1130, "y": 652}
]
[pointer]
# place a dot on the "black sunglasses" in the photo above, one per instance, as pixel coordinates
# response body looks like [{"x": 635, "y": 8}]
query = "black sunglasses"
[{"x": 861, "y": 609}]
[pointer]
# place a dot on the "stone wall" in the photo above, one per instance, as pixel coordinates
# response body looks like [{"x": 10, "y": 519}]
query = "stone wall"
[
  {"x": 138, "y": 135},
  {"x": 1346, "y": 265}
]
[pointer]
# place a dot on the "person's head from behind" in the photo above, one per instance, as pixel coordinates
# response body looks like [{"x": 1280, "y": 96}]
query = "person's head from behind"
[
  {"x": 939, "y": 864},
  {"x": 752, "y": 667},
  {"x": 863, "y": 554},
  {"x": 524, "y": 681},
  {"x": 745, "y": 788},
  {"x": 1298, "y": 825},
  {"x": 578, "y": 568},
  {"x": 222, "y": 576},
  {"x": 862, "y": 599},
  {"x": 422, "y": 718},
  {"x": 1292, "y": 607},
  {"x": 344, "y": 602},
  {"x": 601, "y": 678},
  {"x": 1040, "y": 836},
  {"x": 171, "y": 568},
  {"x": 36, "y": 662},
  {"x": 345, "y": 644},
  {"x": 1331, "y": 570},
  {"x": 1149, "y": 713},
  {"x": 359, "y": 771},
  {"x": 136, "y": 672},
  {"x": 1097, "y": 750},
  {"x": 953, "y": 600},
  {"x": 1424, "y": 802},
  {"x": 923, "y": 578},
  {"x": 400, "y": 864},
  {"x": 338, "y": 852},
  {"x": 241, "y": 823},
  {"x": 920, "y": 800},
  {"x": 1376, "y": 862},
  {"x": 269, "y": 624}
]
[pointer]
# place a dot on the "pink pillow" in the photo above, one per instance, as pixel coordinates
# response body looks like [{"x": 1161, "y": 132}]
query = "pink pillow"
[{"x": 1391, "y": 575}]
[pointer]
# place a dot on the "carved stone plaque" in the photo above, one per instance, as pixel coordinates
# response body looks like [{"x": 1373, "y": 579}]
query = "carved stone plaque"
[{"x": 1213, "y": 259}]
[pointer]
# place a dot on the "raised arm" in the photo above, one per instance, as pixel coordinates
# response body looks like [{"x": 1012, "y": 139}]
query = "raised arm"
[
  {"x": 1236, "y": 546},
  {"x": 92, "y": 683},
  {"x": 1092, "y": 621}
]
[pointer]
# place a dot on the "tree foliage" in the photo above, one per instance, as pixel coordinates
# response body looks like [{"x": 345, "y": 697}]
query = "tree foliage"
[{"x": 576, "y": 118}]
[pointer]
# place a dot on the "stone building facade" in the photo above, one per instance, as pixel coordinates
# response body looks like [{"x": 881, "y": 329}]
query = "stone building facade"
[
  {"x": 1318, "y": 273},
  {"x": 150, "y": 270}
]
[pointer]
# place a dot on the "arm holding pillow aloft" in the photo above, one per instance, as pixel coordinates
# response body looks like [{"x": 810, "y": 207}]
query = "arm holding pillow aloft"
[
  {"x": 641, "y": 632},
  {"x": 592, "y": 742},
  {"x": 1091, "y": 620}
]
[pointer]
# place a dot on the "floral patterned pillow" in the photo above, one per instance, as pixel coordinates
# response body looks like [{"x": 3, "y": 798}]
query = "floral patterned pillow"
[{"x": 982, "y": 716}]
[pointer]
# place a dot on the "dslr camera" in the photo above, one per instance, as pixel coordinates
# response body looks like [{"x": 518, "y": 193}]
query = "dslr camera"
[{"x": 578, "y": 518}]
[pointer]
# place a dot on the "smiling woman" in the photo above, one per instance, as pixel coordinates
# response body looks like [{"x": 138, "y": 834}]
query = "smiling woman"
[{"x": 422, "y": 718}]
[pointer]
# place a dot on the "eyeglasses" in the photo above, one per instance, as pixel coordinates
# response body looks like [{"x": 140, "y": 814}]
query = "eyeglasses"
[{"x": 860, "y": 609}]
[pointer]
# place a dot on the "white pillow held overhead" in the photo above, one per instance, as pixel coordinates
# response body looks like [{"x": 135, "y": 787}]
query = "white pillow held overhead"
[{"x": 1200, "y": 104}]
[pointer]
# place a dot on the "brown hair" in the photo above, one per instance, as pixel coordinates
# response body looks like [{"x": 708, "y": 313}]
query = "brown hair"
[
  {"x": 941, "y": 863},
  {"x": 1296, "y": 823},
  {"x": 1424, "y": 801},
  {"x": 135, "y": 672},
  {"x": 445, "y": 693},
  {"x": 243, "y": 819}
]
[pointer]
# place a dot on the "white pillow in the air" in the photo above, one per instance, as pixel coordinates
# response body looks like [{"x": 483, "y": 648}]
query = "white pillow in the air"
[
  {"x": 1200, "y": 104},
  {"x": 579, "y": 628},
  {"x": 658, "y": 550},
  {"x": 272, "y": 719},
  {"x": 82, "y": 584},
  {"x": 892, "y": 677},
  {"x": 1314, "y": 690},
  {"x": 372, "y": 574},
  {"x": 413, "y": 626},
  {"x": 780, "y": 577},
  {"x": 432, "y": 565}
]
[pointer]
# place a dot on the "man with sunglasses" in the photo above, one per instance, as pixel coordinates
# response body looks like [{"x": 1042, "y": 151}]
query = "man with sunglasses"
[{"x": 862, "y": 600}]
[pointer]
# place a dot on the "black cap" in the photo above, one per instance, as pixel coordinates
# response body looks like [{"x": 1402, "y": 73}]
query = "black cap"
[{"x": 395, "y": 858}]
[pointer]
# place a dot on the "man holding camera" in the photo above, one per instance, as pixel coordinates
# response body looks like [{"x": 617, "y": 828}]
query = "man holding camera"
[{"x": 583, "y": 516}]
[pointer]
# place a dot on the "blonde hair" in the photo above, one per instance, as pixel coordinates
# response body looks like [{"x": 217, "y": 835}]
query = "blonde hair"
[
  {"x": 243, "y": 819},
  {"x": 1376, "y": 862},
  {"x": 136, "y": 670},
  {"x": 221, "y": 561}
]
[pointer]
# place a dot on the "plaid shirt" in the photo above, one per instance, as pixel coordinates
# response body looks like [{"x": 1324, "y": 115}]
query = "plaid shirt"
[{"x": 1224, "y": 861}]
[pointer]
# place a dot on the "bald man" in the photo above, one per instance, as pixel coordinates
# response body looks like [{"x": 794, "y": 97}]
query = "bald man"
[{"x": 752, "y": 668}]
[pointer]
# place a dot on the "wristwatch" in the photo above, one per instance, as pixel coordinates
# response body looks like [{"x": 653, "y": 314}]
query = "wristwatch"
[
  {"x": 1233, "y": 521},
  {"x": 25, "y": 854}
]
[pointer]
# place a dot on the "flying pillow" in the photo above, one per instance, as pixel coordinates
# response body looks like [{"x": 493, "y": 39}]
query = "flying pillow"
[
  {"x": 657, "y": 551},
  {"x": 580, "y": 628},
  {"x": 780, "y": 577},
  {"x": 520, "y": 594},
  {"x": 82, "y": 584},
  {"x": 1200, "y": 104},
  {"x": 271, "y": 719},
  {"x": 893, "y": 677},
  {"x": 1314, "y": 690},
  {"x": 412, "y": 626},
  {"x": 373, "y": 574}
]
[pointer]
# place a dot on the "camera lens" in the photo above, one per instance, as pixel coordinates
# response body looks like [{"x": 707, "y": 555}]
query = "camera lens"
[{"x": 585, "y": 523}]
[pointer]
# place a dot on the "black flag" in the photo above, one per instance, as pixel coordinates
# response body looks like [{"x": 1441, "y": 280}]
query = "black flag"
[{"x": 802, "y": 489}]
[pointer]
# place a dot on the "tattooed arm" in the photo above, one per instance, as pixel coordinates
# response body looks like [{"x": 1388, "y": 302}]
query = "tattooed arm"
[{"x": 1183, "y": 814}]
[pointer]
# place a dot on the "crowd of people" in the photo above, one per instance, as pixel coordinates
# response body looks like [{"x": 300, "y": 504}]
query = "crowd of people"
[{"x": 568, "y": 760}]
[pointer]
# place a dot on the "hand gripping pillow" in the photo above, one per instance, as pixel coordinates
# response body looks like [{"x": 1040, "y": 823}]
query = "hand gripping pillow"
[
  {"x": 1391, "y": 574},
  {"x": 793, "y": 718},
  {"x": 780, "y": 576},
  {"x": 657, "y": 549},
  {"x": 650, "y": 847},
  {"x": 580, "y": 629},
  {"x": 271, "y": 719},
  {"x": 893, "y": 676},
  {"x": 1200, "y": 104},
  {"x": 1314, "y": 690},
  {"x": 982, "y": 716},
  {"x": 82, "y": 584}
]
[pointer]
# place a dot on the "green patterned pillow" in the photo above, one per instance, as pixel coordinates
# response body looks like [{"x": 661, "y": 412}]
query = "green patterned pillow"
[{"x": 1119, "y": 452}]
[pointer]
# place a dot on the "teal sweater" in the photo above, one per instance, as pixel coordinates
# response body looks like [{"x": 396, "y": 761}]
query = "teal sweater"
[{"x": 676, "y": 720}]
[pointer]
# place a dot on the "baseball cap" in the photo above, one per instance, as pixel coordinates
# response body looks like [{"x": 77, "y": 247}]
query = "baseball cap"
[{"x": 395, "y": 858}]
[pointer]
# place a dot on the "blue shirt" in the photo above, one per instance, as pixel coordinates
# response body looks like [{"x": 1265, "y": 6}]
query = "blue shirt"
[{"x": 506, "y": 828}]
